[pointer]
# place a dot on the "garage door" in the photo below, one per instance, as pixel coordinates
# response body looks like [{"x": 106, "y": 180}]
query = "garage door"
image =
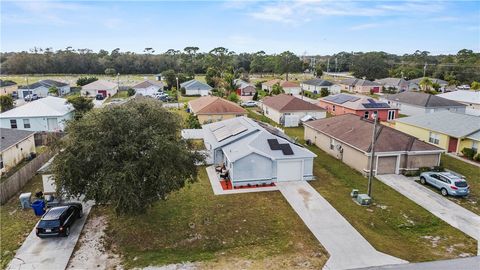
[
  {"x": 291, "y": 170},
  {"x": 386, "y": 165}
]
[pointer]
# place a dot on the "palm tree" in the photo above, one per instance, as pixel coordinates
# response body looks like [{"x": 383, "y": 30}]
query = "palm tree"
[
  {"x": 229, "y": 83},
  {"x": 425, "y": 84}
]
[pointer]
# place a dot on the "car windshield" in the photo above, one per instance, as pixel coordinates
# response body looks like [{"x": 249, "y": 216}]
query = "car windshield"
[
  {"x": 461, "y": 184},
  {"x": 49, "y": 223}
]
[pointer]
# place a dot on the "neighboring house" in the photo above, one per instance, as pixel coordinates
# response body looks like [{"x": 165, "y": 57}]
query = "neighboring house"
[
  {"x": 41, "y": 88},
  {"x": 244, "y": 88},
  {"x": 396, "y": 84},
  {"x": 196, "y": 88},
  {"x": 348, "y": 137},
  {"x": 416, "y": 103},
  {"x": 447, "y": 130},
  {"x": 148, "y": 87},
  {"x": 469, "y": 98},
  {"x": 355, "y": 85},
  {"x": 362, "y": 106},
  {"x": 210, "y": 109},
  {"x": 287, "y": 110},
  {"x": 288, "y": 86},
  {"x": 15, "y": 146},
  {"x": 414, "y": 84},
  {"x": 7, "y": 87},
  {"x": 158, "y": 77},
  {"x": 45, "y": 114},
  {"x": 316, "y": 85},
  {"x": 105, "y": 88},
  {"x": 256, "y": 153}
]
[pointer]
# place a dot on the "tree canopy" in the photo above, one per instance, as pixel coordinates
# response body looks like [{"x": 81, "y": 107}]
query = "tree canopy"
[
  {"x": 128, "y": 156},
  {"x": 6, "y": 103},
  {"x": 81, "y": 105}
]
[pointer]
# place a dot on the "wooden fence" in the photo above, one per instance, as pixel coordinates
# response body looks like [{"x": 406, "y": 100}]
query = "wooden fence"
[{"x": 15, "y": 183}]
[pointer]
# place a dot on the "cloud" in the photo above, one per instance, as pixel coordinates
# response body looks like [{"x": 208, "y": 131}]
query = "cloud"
[
  {"x": 365, "y": 26},
  {"x": 44, "y": 12},
  {"x": 112, "y": 23}
]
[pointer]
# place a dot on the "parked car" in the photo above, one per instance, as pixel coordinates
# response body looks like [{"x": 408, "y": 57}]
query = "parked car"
[
  {"x": 58, "y": 220},
  {"x": 250, "y": 103},
  {"x": 448, "y": 183},
  {"x": 99, "y": 97},
  {"x": 30, "y": 97}
]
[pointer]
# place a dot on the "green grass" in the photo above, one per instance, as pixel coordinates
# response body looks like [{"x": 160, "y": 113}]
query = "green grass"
[
  {"x": 472, "y": 173},
  {"x": 16, "y": 223},
  {"x": 193, "y": 224},
  {"x": 128, "y": 79},
  {"x": 399, "y": 229}
]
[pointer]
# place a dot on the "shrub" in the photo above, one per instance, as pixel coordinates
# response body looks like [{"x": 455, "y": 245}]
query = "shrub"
[
  {"x": 258, "y": 85},
  {"x": 438, "y": 169},
  {"x": 192, "y": 122},
  {"x": 411, "y": 173},
  {"x": 424, "y": 169},
  {"x": 324, "y": 92},
  {"x": 130, "y": 92},
  {"x": 233, "y": 97},
  {"x": 255, "y": 97},
  {"x": 85, "y": 80},
  {"x": 468, "y": 152},
  {"x": 477, "y": 158}
]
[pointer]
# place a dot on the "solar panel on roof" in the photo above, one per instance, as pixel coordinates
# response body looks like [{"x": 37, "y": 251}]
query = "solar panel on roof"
[
  {"x": 222, "y": 133},
  {"x": 286, "y": 149},
  {"x": 273, "y": 143},
  {"x": 375, "y": 105},
  {"x": 216, "y": 126},
  {"x": 340, "y": 99},
  {"x": 238, "y": 129}
]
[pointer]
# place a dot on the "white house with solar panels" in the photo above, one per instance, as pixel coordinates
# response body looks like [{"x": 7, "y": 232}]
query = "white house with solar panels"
[{"x": 256, "y": 153}]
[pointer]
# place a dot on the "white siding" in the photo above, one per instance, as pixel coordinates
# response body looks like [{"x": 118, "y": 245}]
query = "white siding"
[{"x": 37, "y": 123}]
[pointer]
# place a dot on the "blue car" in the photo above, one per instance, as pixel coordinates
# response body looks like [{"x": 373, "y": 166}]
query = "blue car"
[{"x": 448, "y": 183}]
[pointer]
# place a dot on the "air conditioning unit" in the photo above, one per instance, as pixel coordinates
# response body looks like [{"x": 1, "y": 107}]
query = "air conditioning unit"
[
  {"x": 354, "y": 193},
  {"x": 339, "y": 148},
  {"x": 364, "y": 199}
]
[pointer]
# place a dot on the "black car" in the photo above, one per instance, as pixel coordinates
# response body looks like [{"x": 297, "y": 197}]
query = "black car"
[
  {"x": 58, "y": 220},
  {"x": 99, "y": 97}
]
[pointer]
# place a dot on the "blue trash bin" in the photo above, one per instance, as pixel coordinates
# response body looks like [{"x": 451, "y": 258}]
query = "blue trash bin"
[{"x": 38, "y": 207}]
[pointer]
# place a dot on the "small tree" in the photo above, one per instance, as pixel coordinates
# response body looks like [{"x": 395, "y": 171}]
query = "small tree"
[
  {"x": 318, "y": 71},
  {"x": 324, "y": 92},
  {"x": 233, "y": 97},
  {"x": 110, "y": 71},
  {"x": 425, "y": 84},
  {"x": 475, "y": 85},
  {"x": 255, "y": 96},
  {"x": 170, "y": 78},
  {"x": 277, "y": 89},
  {"x": 6, "y": 103},
  {"x": 131, "y": 92},
  {"x": 81, "y": 105},
  {"x": 436, "y": 86},
  {"x": 192, "y": 122},
  {"x": 53, "y": 91}
]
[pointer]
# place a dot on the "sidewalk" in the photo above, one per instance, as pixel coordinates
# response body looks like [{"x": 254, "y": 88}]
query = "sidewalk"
[{"x": 464, "y": 160}]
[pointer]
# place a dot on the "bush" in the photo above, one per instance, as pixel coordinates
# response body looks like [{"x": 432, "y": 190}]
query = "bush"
[
  {"x": 324, "y": 92},
  {"x": 424, "y": 169},
  {"x": 258, "y": 85},
  {"x": 255, "y": 97},
  {"x": 477, "y": 158},
  {"x": 192, "y": 122},
  {"x": 86, "y": 80},
  {"x": 233, "y": 97},
  {"x": 130, "y": 92},
  {"x": 411, "y": 173},
  {"x": 468, "y": 152},
  {"x": 438, "y": 169}
]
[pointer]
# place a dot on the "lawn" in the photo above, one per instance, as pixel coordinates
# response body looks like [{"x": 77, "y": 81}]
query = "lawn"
[
  {"x": 472, "y": 173},
  {"x": 16, "y": 223},
  {"x": 393, "y": 224},
  {"x": 193, "y": 224},
  {"x": 128, "y": 79}
]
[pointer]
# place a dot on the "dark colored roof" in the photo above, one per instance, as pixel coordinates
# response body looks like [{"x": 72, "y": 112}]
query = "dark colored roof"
[
  {"x": 45, "y": 83},
  {"x": 10, "y": 137},
  {"x": 355, "y": 131},
  {"x": 434, "y": 80},
  {"x": 423, "y": 100},
  {"x": 318, "y": 82},
  {"x": 286, "y": 103},
  {"x": 360, "y": 82},
  {"x": 147, "y": 83},
  {"x": 285, "y": 147},
  {"x": 6, "y": 83}
]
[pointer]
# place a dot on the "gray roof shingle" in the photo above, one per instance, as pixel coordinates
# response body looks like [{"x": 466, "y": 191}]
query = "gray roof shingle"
[
  {"x": 45, "y": 83},
  {"x": 10, "y": 137},
  {"x": 423, "y": 100},
  {"x": 318, "y": 82}
]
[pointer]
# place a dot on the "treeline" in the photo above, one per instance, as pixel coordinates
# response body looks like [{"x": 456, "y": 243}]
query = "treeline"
[{"x": 463, "y": 67}]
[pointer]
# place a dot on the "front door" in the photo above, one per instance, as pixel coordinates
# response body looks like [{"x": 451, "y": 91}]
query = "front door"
[
  {"x": 452, "y": 145},
  {"x": 103, "y": 92}
]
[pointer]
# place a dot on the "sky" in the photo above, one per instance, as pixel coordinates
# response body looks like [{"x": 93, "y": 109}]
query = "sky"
[{"x": 301, "y": 26}]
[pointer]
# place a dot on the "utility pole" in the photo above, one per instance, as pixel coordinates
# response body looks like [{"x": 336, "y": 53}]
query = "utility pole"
[
  {"x": 336, "y": 64},
  {"x": 372, "y": 156},
  {"x": 178, "y": 101},
  {"x": 424, "y": 69},
  {"x": 328, "y": 64}
]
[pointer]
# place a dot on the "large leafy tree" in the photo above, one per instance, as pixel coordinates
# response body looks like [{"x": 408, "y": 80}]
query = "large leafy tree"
[
  {"x": 128, "y": 156},
  {"x": 6, "y": 103},
  {"x": 80, "y": 104},
  {"x": 287, "y": 62},
  {"x": 370, "y": 65}
]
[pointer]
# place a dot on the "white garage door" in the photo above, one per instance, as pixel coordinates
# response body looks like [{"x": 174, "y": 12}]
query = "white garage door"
[{"x": 291, "y": 170}]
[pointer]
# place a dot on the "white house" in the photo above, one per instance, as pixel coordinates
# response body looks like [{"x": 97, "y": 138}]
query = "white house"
[
  {"x": 196, "y": 88},
  {"x": 40, "y": 88},
  {"x": 45, "y": 114},
  {"x": 15, "y": 145},
  {"x": 471, "y": 98},
  {"x": 316, "y": 85},
  {"x": 148, "y": 87},
  {"x": 287, "y": 110},
  {"x": 105, "y": 88}
]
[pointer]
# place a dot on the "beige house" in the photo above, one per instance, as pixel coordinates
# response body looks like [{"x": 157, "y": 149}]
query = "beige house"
[
  {"x": 361, "y": 86},
  {"x": 288, "y": 110},
  {"x": 348, "y": 138},
  {"x": 102, "y": 87},
  {"x": 288, "y": 86},
  {"x": 15, "y": 146},
  {"x": 210, "y": 109},
  {"x": 7, "y": 87}
]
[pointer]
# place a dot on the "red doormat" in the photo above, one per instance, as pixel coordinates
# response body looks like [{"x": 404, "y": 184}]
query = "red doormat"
[{"x": 227, "y": 185}]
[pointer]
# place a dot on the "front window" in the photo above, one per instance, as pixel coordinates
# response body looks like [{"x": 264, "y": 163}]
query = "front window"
[
  {"x": 26, "y": 123},
  {"x": 366, "y": 114},
  {"x": 333, "y": 108},
  {"x": 13, "y": 123},
  {"x": 391, "y": 115},
  {"x": 434, "y": 138}
]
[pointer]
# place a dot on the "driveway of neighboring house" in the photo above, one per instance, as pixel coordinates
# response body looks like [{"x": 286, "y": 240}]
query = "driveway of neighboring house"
[
  {"x": 448, "y": 211},
  {"x": 346, "y": 246},
  {"x": 48, "y": 253},
  {"x": 98, "y": 103},
  {"x": 471, "y": 263}
]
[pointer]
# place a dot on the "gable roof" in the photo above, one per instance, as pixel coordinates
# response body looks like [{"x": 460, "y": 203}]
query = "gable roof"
[
  {"x": 422, "y": 100},
  {"x": 44, "y": 83},
  {"x": 357, "y": 132},
  {"x": 358, "y": 82},
  {"x": 392, "y": 81},
  {"x": 48, "y": 106},
  {"x": 453, "y": 124},
  {"x": 466, "y": 96},
  {"x": 289, "y": 103},
  {"x": 147, "y": 83},
  {"x": 241, "y": 84},
  {"x": 10, "y": 137},
  {"x": 195, "y": 85},
  {"x": 282, "y": 83},
  {"x": 100, "y": 85},
  {"x": 318, "y": 82},
  {"x": 5, "y": 83},
  {"x": 214, "y": 105},
  {"x": 434, "y": 80},
  {"x": 355, "y": 102}
]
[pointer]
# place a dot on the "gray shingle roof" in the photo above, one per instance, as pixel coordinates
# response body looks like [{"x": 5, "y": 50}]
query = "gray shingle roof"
[
  {"x": 6, "y": 83},
  {"x": 318, "y": 82},
  {"x": 45, "y": 83},
  {"x": 423, "y": 100},
  {"x": 434, "y": 80},
  {"x": 195, "y": 85},
  {"x": 360, "y": 82},
  {"x": 392, "y": 81},
  {"x": 10, "y": 137},
  {"x": 453, "y": 124}
]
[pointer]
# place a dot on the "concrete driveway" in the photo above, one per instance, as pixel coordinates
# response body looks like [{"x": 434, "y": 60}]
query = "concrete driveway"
[
  {"x": 346, "y": 246},
  {"x": 448, "y": 211},
  {"x": 49, "y": 253}
]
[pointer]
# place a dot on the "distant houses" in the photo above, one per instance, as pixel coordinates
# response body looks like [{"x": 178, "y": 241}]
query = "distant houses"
[
  {"x": 316, "y": 85},
  {"x": 210, "y": 109},
  {"x": 196, "y": 88},
  {"x": 41, "y": 88},
  {"x": 416, "y": 103},
  {"x": 45, "y": 114},
  {"x": 470, "y": 98},
  {"x": 414, "y": 84},
  {"x": 361, "y": 86},
  {"x": 7, "y": 87},
  {"x": 288, "y": 86},
  {"x": 15, "y": 146},
  {"x": 244, "y": 88},
  {"x": 394, "y": 84},
  {"x": 148, "y": 87},
  {"x": 360, "y": 105},
  {"x": 102, "y": 87}
]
